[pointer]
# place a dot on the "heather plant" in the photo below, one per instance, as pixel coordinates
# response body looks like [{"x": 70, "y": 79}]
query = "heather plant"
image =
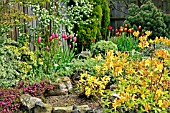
[{"x": 10, "y": 102}]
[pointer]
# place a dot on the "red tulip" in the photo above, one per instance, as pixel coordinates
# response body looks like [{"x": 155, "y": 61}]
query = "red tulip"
[
  {"x": 51, "y": 38},
  {"x": 110, "y": 28},
  {"x": 84, "y": 43},
  {"x": 93, "y": 40},
  {"x": 129, "y": 30},
  {"x": 39, "y": 40},
  {"x": 64, "y": 36},
  {"x": 142, "y": 34}
]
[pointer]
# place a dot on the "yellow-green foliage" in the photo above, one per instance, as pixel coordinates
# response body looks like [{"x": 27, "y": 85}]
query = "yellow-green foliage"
[
  {"x": 15, "y": 61},
  {"x": 141, "y": 84},
  {"x": 27, "y": 57},
  {"x": 93, "y": 85}
]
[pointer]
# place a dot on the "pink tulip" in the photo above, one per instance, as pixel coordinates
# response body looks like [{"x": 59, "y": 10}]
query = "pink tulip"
[
  {"x": 56, "y": 36},
  {"x": 59, "y": 43},
  {"x": 50, "y": 38},
  {"x": 69, "y": 46},
  {"x": 64, "y": 36},
  {"x": 71, "y": 36},
  {"x": 39, "y": 40},
  {"x": 53, "y": 35},
  {"x": 47, "y": 48},
  {"x": 110, "y": 28},
  {"x": 75, "y": 39}
]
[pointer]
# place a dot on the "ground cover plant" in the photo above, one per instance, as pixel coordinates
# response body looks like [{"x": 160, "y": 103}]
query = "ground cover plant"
[{"x": 10, "y": 102}]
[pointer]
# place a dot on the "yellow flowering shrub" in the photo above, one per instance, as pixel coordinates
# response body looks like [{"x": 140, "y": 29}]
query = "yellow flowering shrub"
[
  {"x": 142, "y": 84},
  {"x": 94, "y": 85}
]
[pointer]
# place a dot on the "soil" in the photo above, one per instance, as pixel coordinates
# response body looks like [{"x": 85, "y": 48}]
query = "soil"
[{"x": 72, "y": 99}]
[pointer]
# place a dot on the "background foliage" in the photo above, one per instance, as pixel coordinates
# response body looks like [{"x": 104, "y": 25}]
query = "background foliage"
[{"x": 150, "y": 18}]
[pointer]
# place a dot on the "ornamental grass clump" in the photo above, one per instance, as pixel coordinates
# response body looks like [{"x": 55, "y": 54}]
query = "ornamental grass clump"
[{"x": 142, "y": 84}]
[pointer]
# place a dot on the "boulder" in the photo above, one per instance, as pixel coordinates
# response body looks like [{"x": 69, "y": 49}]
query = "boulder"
[
  {"x": 62, "y": 87},
  {"x": 35, "y": 105},
  {"x": 71, "y": 109},
  {"x": 43, "y": 108}
]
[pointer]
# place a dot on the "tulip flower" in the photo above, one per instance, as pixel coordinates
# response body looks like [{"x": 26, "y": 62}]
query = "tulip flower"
[
  {"x": 69, "y": 46},
  {"x": 125, "y": 29},
  {"x": 47, "y": 48},
  {"x": 53, "y": 35},
  {"x": 71, "y": 37},
  {"x": 139, "y": 28},
  {"x": 84, "y": 43},
  {"x": 59, "y": 43},
  {"x": 93, "y": 40},
  {"x": 51, "y": 38},
  {"x": 75, "y": 39},
  {"x": 56, "y": 35},
  {"x": 129, "y": 30},
  {"x": 100, "y": 34},
  {"x": 142, "y": 34},
  {"x": 39, "y": 40},
  {"x": 64, "y": 36},
  {"x": 110, "y": 28},
  {"x": 121, "y": 30}
]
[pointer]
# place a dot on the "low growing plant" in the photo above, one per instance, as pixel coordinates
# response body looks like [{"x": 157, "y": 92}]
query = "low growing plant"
[
  {"x": 9, "y": 99},
  {"x": 15, "y": 62},
  {"x": 102, "y": 46}
]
